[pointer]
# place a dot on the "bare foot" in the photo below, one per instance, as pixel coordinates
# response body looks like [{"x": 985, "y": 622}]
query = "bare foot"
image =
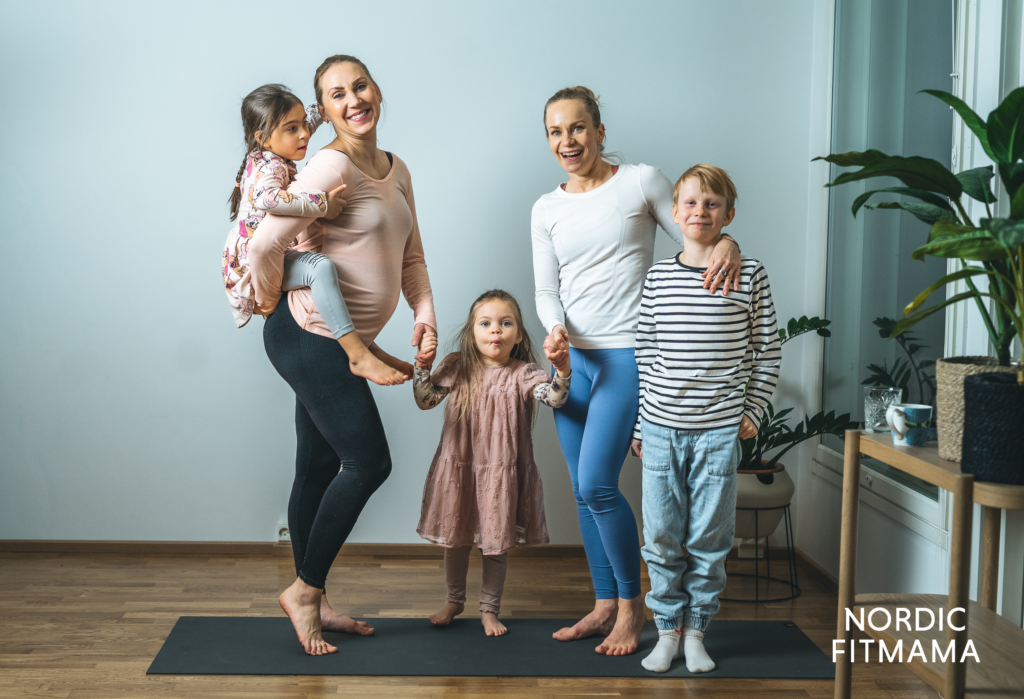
[
  {"x": 448, "y": 612},
  {"x": 492, "y": 627},
  {"x": 598, "y": 623},
  {"x": 625, "y": 636},
  {"x": 301, "y": 602},
  {"x": 333, "y": 620},
  {"x": 373, "y": 369}
]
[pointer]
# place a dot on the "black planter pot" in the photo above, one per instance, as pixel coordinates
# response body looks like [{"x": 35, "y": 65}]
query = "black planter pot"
[{"x": 993, "y": 448}]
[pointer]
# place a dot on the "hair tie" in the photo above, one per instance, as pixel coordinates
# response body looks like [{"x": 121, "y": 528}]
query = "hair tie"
[{"x": 238, "y": 184}]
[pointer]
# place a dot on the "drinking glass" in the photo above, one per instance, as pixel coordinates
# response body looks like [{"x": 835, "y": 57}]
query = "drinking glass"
[{"x": 877, "y": 400}]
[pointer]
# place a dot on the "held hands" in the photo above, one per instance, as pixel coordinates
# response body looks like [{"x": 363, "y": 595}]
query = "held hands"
[
  {"x": 723, "y": 268},
  {"x": 747, "y": 429},
  {"x": 427, "y": 348},
  {"x": 424, "y": 338},
  {"x": 556, "y": 349},
  {"x": 335, "y": 203}
]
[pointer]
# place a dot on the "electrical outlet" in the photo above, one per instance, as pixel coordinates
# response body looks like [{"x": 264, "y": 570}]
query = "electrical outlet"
[
  {"x": 747, "y": 549},
  {"x": 283, "y": 535}
]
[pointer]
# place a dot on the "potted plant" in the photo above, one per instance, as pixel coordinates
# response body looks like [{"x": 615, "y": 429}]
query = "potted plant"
[
  {"x": 992, "y": 248},
  {"x": 763, "y": 481}
]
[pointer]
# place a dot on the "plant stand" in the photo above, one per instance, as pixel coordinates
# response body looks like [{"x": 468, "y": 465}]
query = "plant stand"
[{"x": 793, "y": 583}]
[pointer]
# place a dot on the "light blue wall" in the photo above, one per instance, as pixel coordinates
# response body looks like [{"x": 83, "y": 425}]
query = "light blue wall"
[{"x": 130, "y": 406}]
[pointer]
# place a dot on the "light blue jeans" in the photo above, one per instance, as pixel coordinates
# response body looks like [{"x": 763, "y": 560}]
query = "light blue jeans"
[{"x": 689, "y": 503}]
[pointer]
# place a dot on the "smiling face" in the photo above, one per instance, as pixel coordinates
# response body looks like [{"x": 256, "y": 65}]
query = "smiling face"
[
  {"x": 289, "y": 138},
  {"x": 496, "y": 332},
  {"x": 572, "y": 136},
  {"x": 351, "y": 100},
  {"x": 700, "y": 215}
]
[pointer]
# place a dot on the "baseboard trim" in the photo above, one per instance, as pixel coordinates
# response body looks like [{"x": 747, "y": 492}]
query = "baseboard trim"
[
  {"x": 254, "y": 548},
  {"x": 819, "y": 573}
]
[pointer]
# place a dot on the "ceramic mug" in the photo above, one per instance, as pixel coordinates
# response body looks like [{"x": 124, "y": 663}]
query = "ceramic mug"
[{"x": 909, "y": 423}]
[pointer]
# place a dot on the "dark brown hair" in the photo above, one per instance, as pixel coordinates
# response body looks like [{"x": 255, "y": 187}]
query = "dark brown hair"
[
  {"x": 333, "y": 61},
  {"x": 262, "y": 111},
  {"x": 469, "y": 356},
  {"x": 585, "y": 95}
]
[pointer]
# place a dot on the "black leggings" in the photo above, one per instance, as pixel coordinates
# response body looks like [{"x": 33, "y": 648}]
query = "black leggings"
[{"x": 342, "y": 453}]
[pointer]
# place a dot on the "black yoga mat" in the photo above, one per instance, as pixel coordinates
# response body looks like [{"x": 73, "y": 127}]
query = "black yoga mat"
[{"x": 415, "y": 647}]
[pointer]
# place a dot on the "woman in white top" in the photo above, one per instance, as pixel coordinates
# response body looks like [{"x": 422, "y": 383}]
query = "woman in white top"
[{"x": 593, "y": 242}]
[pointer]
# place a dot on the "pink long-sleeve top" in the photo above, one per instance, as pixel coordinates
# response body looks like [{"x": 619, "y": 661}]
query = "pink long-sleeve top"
[{"x": 374, "y": 244}]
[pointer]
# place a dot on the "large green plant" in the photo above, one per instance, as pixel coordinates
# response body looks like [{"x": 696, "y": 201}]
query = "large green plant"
[
  {"x": 774, "y": 432},
  {"x": 993, "y": 248}
]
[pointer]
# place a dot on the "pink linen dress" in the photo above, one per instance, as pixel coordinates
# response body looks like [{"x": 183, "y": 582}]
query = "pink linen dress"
[{"x": 483, "y": 488}]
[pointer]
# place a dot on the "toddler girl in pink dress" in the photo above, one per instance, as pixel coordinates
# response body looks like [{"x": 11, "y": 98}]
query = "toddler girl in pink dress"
[{"x": 483, "y": 488}]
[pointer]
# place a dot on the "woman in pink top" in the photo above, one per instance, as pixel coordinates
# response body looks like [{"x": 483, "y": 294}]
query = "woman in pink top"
[{"x": 375, "y": 247}]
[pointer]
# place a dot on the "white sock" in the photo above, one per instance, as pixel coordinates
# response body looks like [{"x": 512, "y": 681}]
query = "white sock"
[
  {"x": 667, "y": 650},
  {"x": 697, "y": 659}
]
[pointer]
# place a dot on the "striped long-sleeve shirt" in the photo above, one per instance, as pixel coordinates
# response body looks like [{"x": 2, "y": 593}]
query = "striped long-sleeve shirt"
[{"x": 705, "y": 360}]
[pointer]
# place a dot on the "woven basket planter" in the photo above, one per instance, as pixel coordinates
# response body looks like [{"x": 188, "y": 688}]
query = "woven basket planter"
[{"x": 949, "y": 375}]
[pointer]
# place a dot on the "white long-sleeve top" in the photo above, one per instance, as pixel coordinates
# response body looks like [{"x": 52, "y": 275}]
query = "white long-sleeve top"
[
  {"x": 697, "y": 351},
  {"x": 592, "y": 250}
]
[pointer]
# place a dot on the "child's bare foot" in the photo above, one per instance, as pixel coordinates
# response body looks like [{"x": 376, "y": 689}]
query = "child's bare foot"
[
  {"x": 625, "y": 636},
  {"x": 599, "y": 622},
  {"x": 301, "y": 602},
  {"x": 492, "y": 627},
  {"x": 373, "y": 369},
  {"x": 448, "y": 612},
  {"x": 333, "y": 620}
]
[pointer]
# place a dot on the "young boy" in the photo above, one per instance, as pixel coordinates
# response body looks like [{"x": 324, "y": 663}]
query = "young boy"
[{"x": 708, "y": 365}]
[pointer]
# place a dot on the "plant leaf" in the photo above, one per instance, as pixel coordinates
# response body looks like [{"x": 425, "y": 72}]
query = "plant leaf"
[
  {"x": 973, "y": 121},
  {"x": 915, "y": 172},
  {"x": 943, "y": 228},
  {"x": 912, "y": 320},
  {"x": 976, "y": 183},
  {"x": 1007, "y": 232},
  {"x": 929, "y": 213},
  {"x": 1017, "y": 205},
  {"x": 853, "y": 158},
  {"x": 1012, "y": 175},
  {"x": 1006, "y": 128},
  {"x": 948, "y": 279},
  {"x": 976, "y": 245},
  {"x": 923, "y": 195}
]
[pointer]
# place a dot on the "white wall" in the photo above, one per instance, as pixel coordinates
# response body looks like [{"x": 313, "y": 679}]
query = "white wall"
[{"x": 130, "y": 406}]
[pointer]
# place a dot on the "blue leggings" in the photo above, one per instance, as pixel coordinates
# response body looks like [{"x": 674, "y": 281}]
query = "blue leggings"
[{"x": 594, "y": 427}]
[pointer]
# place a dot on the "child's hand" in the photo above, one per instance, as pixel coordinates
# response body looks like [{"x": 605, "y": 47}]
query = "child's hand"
[
  {"x": 335, "y": 203},
  {"x": 637, "y": 447},
  {"x": 427, "y": 350},
  {"x": 556, "y": 348},
  {"x": 747, "y": 429},
  {"x": 420, "y": 331}
]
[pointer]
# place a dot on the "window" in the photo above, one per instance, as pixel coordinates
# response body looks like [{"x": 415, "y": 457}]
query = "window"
[{"x": 886, "y": 51}]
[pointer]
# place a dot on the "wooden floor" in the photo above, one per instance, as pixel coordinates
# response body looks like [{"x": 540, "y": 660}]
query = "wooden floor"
[{"x": 88, "y": 625}]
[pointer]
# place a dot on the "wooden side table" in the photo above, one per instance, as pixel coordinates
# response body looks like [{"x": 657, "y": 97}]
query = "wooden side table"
[{"x": 999, "y": 644}]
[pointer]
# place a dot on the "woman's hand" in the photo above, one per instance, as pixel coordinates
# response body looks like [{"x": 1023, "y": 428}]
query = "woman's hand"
[
  {"x": 747, "y": 428},
  {"x": 427, "y": 348},
  {"x": 556, "y": 347},
  {"x": 393, "y": 362},
  {"x": 637, "y": 447},
  {"x": 723, "y": 267},
  {"x": 418, "y": 332},
  {"x": 335, "y": 203}
]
